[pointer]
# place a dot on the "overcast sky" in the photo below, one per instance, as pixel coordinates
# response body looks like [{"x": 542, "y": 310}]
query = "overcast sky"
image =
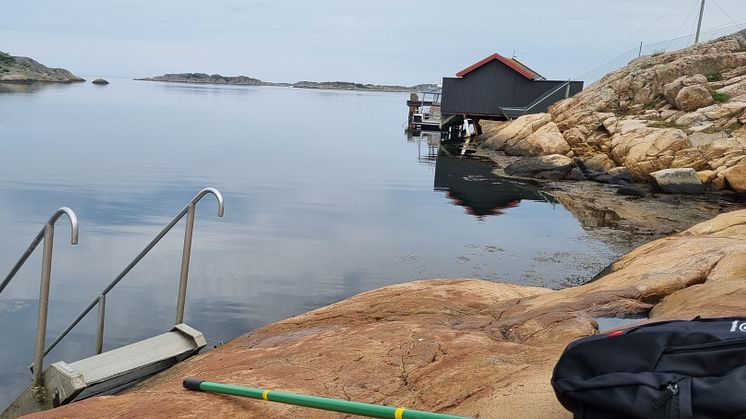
[{"x": 376, "y": 41}]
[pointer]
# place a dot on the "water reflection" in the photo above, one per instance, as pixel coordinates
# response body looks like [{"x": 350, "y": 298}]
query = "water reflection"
[
  {"x": 428, "y": 145},
  {"x": 28, "y": 87},
  {"x": 470, "y": 183}
]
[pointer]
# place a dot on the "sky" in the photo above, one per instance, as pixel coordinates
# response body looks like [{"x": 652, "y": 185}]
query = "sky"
[{"x": 376, "y": 41}]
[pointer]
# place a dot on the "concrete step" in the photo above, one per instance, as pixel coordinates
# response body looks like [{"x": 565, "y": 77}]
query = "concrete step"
[{"x": 108, "y": 372}]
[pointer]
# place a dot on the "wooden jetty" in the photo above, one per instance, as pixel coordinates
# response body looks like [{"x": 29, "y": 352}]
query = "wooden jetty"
[{"x": 424, "y": 111}]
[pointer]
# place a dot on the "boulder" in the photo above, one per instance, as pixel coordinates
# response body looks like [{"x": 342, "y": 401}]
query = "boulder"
[
  {"x": 100, "y": 82},
  {"x": 691, "y": 98},
  {"x": 490, "y": 129},
  {"x": 516, "y": 131},
  {"x": 700, "y": 138},
  {"x": 533, "y": 166},
  {"x": 671, "y": 90},
  {"x": 690, "y": 157},
  {"x": 683, "y": 181},
  {"x": 735, "y": 90},
  {"x": 719, "y": 182},
  {"x": 645, "y": 150},
  {"x": 690, "y": 118},
  {"x": 547, "y": 140},
  {"x": 598, "y": 163},
  {"x": 736, "y": 177},
  {"x": 723, "y": 110},
  {"x": 706, "y": 176},
  {"x": 724, "y": 152},
  {"x": 574, "y": 137}
]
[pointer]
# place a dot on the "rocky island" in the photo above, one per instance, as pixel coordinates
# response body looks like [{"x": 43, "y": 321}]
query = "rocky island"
[
  {"x": 202, "y": 78},
  {"x": 344, "y": 85},
  {"x": 25, "y": 70}
]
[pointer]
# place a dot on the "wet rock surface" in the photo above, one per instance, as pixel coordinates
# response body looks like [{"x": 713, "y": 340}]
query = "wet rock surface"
[
  {"x": 621, "y": 213},
  {"x": 462, "y": 346}
]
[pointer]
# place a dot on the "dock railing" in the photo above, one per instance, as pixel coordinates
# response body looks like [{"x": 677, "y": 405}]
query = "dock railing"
[
  {"x": 560, "y": 92},
  {"x": 46, "y": 234},
  {"x": 100, "y": 300}
]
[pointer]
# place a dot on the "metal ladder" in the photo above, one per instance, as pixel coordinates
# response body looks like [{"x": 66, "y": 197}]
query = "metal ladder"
[{"x": 108, "y": 372}]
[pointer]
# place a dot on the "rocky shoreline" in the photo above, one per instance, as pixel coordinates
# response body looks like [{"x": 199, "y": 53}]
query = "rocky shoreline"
[
  {"x": 26, "y": 70},
  {"x": 610, "y": 213},
  {"x": 675, "y": 120},
  {"x": 645, "y": 152},
  {"x": 460, "y": 346}
]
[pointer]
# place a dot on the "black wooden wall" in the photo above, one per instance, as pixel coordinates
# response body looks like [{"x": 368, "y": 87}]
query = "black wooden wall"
[{"x": 492, "y": 85}]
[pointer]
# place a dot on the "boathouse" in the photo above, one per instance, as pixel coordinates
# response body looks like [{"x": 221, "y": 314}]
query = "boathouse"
[{"x": 500, "y": 88}]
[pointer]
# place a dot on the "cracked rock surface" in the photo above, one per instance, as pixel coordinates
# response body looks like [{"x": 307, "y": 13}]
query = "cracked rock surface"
[{"x": 461, "y": 346}]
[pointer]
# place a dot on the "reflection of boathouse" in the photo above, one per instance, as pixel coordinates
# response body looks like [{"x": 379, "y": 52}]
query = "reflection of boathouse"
[{"x": 470, "y": 183}]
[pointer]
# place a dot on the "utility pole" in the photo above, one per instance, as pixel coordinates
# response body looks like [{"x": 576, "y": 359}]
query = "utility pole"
[
  {"x": 639, "y": 53},
  {"x": 699, "y": 24}
]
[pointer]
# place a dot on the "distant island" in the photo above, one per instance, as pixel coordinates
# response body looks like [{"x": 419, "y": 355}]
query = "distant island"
[
  {"x": 202, "y": 78},
  {"x": 25, "y": 70}
]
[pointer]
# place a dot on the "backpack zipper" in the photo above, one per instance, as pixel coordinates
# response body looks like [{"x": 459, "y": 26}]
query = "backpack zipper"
[
  {"x": 704, "y": 346},
  {"x": 675, "y": 414},
  {"x": 672, "y": 390}
]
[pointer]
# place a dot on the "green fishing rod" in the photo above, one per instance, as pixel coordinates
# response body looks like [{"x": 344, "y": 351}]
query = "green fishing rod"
[{"x": 323, "y": 403}]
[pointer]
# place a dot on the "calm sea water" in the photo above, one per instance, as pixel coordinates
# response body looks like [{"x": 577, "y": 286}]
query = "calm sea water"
[{"x": 325, "y": 197}]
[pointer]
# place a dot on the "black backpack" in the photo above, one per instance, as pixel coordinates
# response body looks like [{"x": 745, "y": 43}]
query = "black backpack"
[{"x": 675, "y": 369}]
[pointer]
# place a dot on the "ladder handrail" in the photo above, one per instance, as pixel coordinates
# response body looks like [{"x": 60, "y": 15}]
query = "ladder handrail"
[
  {"x": 47, "y": 234},
  {"x": 34, "y": 243},
  {"x": 188, "y": 209},
  {"x": 539, "y": 99}
]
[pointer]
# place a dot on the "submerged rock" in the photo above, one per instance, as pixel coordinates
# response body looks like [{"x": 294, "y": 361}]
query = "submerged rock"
[
  {"x": 100, "y": 82},
  {"x": 458, "y": 346}
]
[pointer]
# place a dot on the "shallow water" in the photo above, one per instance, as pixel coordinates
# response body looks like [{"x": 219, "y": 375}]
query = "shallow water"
[{"x": 325, "y": 197}]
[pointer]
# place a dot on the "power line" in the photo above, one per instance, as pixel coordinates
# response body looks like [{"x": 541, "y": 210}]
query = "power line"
[
  {"x": 726, "y": 13},
  {"x": 607, "y": 62},
  {"x": 668, "y": 13},
  {"x": 652, "y": 44},
  {"x": 625, "y": 39},
  {"x": 683, "y": 23}
]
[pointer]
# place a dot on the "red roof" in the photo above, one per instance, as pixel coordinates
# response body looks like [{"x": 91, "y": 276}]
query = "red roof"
[{"x": 510, "y": 62}]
